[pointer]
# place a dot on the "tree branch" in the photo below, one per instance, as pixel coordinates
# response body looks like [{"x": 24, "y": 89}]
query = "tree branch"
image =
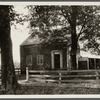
[
  {"x": 67, "y": 17},
  {"x": 81, "y": 29}
]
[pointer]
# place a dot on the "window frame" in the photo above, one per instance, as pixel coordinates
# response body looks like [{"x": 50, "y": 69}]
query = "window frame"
[{"x": 40, "y": 56}]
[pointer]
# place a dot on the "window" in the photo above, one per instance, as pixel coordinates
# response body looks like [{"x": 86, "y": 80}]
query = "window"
[
  {"x": 40, "y": 59},
  {"x": 29, "y": 60}
]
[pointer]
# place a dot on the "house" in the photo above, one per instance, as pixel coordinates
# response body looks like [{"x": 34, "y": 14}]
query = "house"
[{"x": 35, "y": 55}]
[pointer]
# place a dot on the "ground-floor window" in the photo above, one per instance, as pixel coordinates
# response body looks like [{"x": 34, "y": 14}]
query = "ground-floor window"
[
  {"x": 98, "y": 63},
  {"x": 39, "y": 59},
  {"x": 92, "y": 63}
]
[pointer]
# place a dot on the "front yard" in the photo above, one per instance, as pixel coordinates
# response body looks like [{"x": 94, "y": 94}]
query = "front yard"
[
  {"x": 47, "y": 88},
  {"x": 35, "y": 88}
]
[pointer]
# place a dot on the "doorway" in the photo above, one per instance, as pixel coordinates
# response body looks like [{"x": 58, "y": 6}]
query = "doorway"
[{"x": 57, "y": 61}]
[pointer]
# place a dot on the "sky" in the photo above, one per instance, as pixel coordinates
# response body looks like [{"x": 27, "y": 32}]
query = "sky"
[
  {"x": 22, "y": 32},
  {"x": 19, "y": 34}
]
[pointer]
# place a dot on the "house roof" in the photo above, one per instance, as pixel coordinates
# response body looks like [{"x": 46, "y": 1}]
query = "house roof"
[
  {"x": 36, "y": 40},
  {"x": 89, "y": 55},
  {"x": 32, "y": 40}
]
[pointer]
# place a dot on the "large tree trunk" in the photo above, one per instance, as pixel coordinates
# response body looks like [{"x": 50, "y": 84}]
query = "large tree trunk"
[
  {"x": 8, "y": 76},
  {"x": 73, "y": 38},
  {"x": 74, "y": 53}
]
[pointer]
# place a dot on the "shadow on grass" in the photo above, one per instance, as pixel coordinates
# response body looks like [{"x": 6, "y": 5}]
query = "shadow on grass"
[{"x": 53, "y": 90}]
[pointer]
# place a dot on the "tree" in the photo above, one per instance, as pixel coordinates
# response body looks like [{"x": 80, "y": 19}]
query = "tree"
[
  {"x": 9, "y": 80},
  {"x": 78, "y": 21}
]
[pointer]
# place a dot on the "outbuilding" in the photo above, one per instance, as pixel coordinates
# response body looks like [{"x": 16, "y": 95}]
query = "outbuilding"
[{"x": 89, "y": 62}]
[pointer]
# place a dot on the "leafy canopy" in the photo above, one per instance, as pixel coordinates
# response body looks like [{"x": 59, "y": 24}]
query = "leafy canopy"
[{"x": 55, "y": 22}]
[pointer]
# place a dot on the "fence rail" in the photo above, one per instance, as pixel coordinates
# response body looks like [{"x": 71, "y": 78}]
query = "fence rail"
[
  {"x": 63, "y": 76},
  {"x": 17, "y": 71}
]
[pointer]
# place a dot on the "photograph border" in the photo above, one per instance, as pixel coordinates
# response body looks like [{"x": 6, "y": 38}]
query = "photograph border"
[{"x": 41, "y": 97}]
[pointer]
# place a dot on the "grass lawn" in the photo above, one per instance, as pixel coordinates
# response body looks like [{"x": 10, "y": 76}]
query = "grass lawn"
[
  {"x": 56, "y": 90},
  {"x": 32, "y": 88},
  {"x": 52, "y": 88}
]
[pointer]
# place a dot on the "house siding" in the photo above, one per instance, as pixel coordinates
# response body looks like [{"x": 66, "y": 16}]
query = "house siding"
[{"x": 35, "y": 50}]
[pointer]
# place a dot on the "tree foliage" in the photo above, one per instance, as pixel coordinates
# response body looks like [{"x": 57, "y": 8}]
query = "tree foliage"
[{"x": 80, "y": 23}]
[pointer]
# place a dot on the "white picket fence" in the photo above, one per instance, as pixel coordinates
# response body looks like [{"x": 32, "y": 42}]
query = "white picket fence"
[{"x": 63, "y": 76}]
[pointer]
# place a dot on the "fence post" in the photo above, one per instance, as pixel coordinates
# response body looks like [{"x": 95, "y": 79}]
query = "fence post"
[
  {"x": 18, "y": 71},
  {"x": 59, "y": 77},
  {"x": 97, "y": 75},
  {"x": 27, "y": 74}
]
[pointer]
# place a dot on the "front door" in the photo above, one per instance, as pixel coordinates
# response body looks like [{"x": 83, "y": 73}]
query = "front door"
[{"x": 57, "y": 61}]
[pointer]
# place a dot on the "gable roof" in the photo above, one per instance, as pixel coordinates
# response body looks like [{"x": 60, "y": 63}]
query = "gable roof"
[{"x": 32, "y": 40}]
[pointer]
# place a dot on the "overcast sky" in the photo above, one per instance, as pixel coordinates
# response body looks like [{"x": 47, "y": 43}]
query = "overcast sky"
[{"x": 20, "y": 34}]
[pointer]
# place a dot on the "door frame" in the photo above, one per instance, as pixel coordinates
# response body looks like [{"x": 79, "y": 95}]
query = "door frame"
[{"x": 52, "y": 58}]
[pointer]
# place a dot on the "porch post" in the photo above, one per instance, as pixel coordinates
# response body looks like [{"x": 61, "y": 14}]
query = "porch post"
[
  {"x": 68, "y": 60},
  {"x": 95, "y": 63},
  {"x": 61, "y": 60},
  {"x": 77, "y": 60},
  {"x": 88, "y": 63},
  {"x": 52, "y": 59}
]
